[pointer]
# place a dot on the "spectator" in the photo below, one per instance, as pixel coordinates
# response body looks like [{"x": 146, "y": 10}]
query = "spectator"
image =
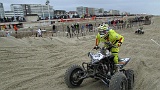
[
  {"x": 7, "y": 33},
  {"x": 39, "y": 32},
  {"x": 68, "y": 31},
  {"x": 82, "y": 30},
  {"x": 9, "y": 26},
  {"x": 15, "y": 28},
  {"x": 90, "y": 27},
  {"x": 77, "y": 27},
  {"x": 87, "y": 25},
  {"x": 5, "y": 27},
  {"x": 73, "y": 30},
  {"x": 54, "y": 29}
]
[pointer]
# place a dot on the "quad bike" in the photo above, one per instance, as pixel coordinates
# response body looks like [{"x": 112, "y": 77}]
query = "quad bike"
[
  {"x": 101, "y": 67},
  {"x": 139, "y": 31}
]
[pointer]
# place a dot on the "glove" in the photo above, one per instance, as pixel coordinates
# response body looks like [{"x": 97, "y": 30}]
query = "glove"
[
  {"x": 119, "y": 44},
  {"x": 96, "y": 47}
]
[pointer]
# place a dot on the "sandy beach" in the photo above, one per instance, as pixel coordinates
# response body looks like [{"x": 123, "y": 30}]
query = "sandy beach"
[{"x": 36, "y": 63}]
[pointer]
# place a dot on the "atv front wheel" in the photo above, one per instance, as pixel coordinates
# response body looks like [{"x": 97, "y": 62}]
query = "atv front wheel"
[
  {"x": 118, "y": 82},
  {"x": 73, "y": 76},
  {"x": 130, "y": 76}
]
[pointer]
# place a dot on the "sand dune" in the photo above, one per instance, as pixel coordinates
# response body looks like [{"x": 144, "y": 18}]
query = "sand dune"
[{"x": 40, "y": 63}]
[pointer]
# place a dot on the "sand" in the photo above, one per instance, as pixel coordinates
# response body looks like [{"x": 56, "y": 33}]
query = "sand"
[{"x": 36, "y": 63}]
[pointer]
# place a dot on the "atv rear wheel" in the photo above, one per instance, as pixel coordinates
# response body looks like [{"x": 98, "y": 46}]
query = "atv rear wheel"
[
  {"x": 118, "y": 82},
  {"x": 73, "y": 76},
  {"x": 130, "y": 76}
]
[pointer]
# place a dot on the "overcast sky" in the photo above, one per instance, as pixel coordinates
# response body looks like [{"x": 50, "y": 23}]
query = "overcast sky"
[{"x": 132, "y": 6}]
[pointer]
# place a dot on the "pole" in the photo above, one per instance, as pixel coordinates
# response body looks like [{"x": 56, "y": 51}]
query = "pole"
[
  {"x": 47, "y": 3},
  {"x": 43, "y": 16},
  {"x": 49, "y": 12},
  {"x": 14, "y": 15},
  {"x": 49, "y": 15},
  {"x": 42, "y": 11}
]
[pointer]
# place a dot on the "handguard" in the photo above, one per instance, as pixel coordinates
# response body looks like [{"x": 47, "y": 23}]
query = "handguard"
[{"x": 96, "y": 47}]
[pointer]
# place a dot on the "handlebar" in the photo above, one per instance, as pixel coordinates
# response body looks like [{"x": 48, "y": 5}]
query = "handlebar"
[{"x": 109, "y": 47}]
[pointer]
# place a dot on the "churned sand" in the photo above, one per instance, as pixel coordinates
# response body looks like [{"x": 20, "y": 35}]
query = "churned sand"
[{"x": 40, "y": 63}]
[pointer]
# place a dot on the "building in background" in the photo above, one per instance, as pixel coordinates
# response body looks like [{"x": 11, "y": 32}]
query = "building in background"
[
  {"x": 43, "y": 11},
  {"x": 114, "y": 12},
  {"x": 83, "y": 11},
  {"x": 1, "y": 10},
  {"x": 80, "y": 10},
  {"x": 101, "y": 11},
  {"x": 9, "y": 14},
  {"x": 60, "y": 14},
  {"x": 17, "y": 10},
  {"x": 106, "y": 13},
  {"x": 46, "y": 11},
  {"x": 89, "y": 11},
  {"x": 72, "y": 14},
  {"x": 125, "y": 13}
]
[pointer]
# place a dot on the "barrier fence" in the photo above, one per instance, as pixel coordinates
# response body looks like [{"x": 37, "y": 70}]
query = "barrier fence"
[{"x": 61, "y": 29}]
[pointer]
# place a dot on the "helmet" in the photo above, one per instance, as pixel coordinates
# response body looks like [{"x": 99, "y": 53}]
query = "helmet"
[
  {"x": 100, "y": 28},
  {"x": 103, "y": 29},
  {"x": 105, "y": 25}
]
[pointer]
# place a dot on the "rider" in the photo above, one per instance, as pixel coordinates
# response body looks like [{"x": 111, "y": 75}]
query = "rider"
[
  {"x": 108, "y": 35},
  {"x": 140, "y": 28}
]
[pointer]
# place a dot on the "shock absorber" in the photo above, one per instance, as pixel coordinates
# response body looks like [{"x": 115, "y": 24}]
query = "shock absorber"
[{"x": 105, "y": 68}]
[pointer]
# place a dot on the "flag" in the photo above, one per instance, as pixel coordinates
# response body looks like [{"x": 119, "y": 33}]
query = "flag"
[{"x": 47, "y": 2}]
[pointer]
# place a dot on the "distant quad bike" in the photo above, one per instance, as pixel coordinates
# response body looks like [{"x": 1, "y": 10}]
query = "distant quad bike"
[
  {"x": 139, "y": 31},
  {"x": 101, "y": 67}
]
